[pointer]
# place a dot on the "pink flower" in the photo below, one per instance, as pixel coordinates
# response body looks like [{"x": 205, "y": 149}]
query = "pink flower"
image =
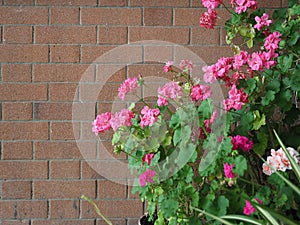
[
  {"x": 147, "y": 158},
  {"x": 249, "y": 209},
  {"x": 243, "y": 5},
  {"x": 262, "y": 21},
  {"x": 146, "y": 177},
  {"x": 200, "y": 92},
  {"x": 168, "y": 66},
  {"x": 186, "y": 64},
  {"x": 214, "y": 116},
  {"x": 240, "y": 60},
  {"x": 128, "y": 85},
  {"x": 102, "y": 123},
  {"x": 208, "y": 19},
  {"x": 237, "y": 98},
  {"x": 272, "y": 41},
  {"x": 241, "y": 142},
  {"x": 170, "y": 90},
  {"x": 211, "y": 4},
  {"x": 208, "y": 74},
  {"x": 149, "y": 117},
  {"x": 228, "y": 171},
  {"x": 123, "y": 118}
]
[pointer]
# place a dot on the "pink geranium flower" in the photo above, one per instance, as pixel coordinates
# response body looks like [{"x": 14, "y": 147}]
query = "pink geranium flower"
[
  {"x": 237, "y": 98},
  {"x": 228, "y": 171},
  {"x": 122, "y": 118},
  {"x": 243, "y": 5},
  {"x": 272, "y": 41},
  {"x": 200, "y": 92},
  {"x": 248, "y": 209},
  {"x": 211, "y": 4},
  {"x": 208, "y": 19},
  {"x": 262, "y": 21},
  {"x": 240, "y": 59},
  {"x": 168, "y": 66},
  {"x": 186, "y": 64},
  {"x": 146, "y": 177},
  {"x": 128, "y": 85},
  {"x": 147, "y": 158},
  {"x": 102, "y": 123},
  {"x": 149, "y": 117},
  {"x": 170, "y": 90},
  {"x": 241, "y": 142}
]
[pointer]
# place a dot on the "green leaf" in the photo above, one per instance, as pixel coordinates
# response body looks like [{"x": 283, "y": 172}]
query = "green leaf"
[
  {"x": 294, "y": 39},
  {"x": 260, "y": 147},
  {"x": 242, "y": 218},
  {"x": 285, "y": 62},
  {"x": 268, "y": 98},
  {"x": 259, "y": 120},
  {"x": 240, "y": 165},
  {"x": 169, "y": 207},
  {"x": 206, "y": 108},
  {"x": 213, "y": 216},
  {"x": 223, "y": 204}
]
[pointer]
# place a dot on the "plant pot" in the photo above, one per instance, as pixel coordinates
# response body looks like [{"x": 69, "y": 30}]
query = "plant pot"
[{"x": 144, "y": 220}]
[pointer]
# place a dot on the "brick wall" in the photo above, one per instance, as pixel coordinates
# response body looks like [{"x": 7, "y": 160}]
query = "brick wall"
[{"x": 53, "y": 81}]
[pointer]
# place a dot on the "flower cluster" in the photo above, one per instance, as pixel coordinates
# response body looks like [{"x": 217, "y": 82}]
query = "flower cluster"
[{"x": 278, "y": 161}]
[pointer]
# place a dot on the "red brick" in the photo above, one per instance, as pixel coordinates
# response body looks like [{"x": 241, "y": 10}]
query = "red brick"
[
  {"x": 16, "y": 222},
  {"x": 10, "y": 92},
  {"x": 62, "y": 91},
  {"x": 16, "y": 150},
  {"x": 64, "y": 53},
  {"x": 16, "y": 111},
  {"x": 53, "y": 111},
  {"x": 64, "y": 169},
  {"x": 110, "y": 73},
  {"x": 176, "y": 3},
  {"x": 174, "y": 35},
  {"x": 63, "y": 189},
  {"x": 107, "y": 92},
  {"x": 7, "y": 209},
  {"x": 60, "y": 15},
  {"x": 83, "y": 111},
  {"x": 122, "y": 209},
  {"x": 113, "y": 3},
  {"x": 61, "y": 72},
  {"x": 204, "y": 36},
  {"x": 63, "y": 150},
  {"x": 67, "y": 3},
  {"x": 23, "y": 15},
  {"x": 110, "y": 189},
  {"x": 23, "y": 53},
  {"x": 18, "y": 2},
  {"x": 158, "y": 17},
  {"x": 87, "y": 172},
  {"x": 16, "y": 72},
  {"x": 16, "y": 190},
  {"x": 114, "y": 221},
  {"x": 23, "y": 130},
  {"x": 107, "y": 16},
  {"x": 64, "y": 131},
  {"x": 23, "y": 169},
  {"x": 17, "y": 34},
  {"x": 32, "y": 209},
  {"x": 269, "y": 4},
  {"x": 124, "y": 54},
  {"x": 63, "y": 222},
  {"x": 62, "y": 209},
  {"x": 65, "y": 35},
  {"x": 112, "y": 35},
  {"x": 158, "y": 53}
]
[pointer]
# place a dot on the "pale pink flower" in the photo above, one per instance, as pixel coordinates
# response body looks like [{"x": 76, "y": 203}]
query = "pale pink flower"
[
  {"x": 102, "y": 123},
  {"x": 149, "y": 117},
  {"x": 168, "y": 66},
  {"x": 249, "y": 209},
  {"x": 211, "y": 4},
  {"x": 241, "y": 142},
  {"x": 208, "y": 19},
  {"x": 208, "y": 74},
  {"x": 243, "y": 5},
  {"x": 170, "y": 90},
  {"x": 122, "y": 118},
  {"x": 262, "y": 21},
  {"x": 186, "y": 64},
  {"x": 147, "y": 158},
  {"x": 200, "y": 92},
  {"x": 127, "y": 86},
  {"x": 228, "y": 171},
  {"x": 146, "y": 177}
]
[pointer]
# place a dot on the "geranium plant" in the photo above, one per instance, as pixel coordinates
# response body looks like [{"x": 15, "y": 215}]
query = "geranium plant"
[{"x": 197, "y": 162}]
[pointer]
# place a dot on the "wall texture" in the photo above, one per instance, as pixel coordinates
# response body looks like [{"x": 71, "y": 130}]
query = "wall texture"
[{"x": 53, "y": 83}]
